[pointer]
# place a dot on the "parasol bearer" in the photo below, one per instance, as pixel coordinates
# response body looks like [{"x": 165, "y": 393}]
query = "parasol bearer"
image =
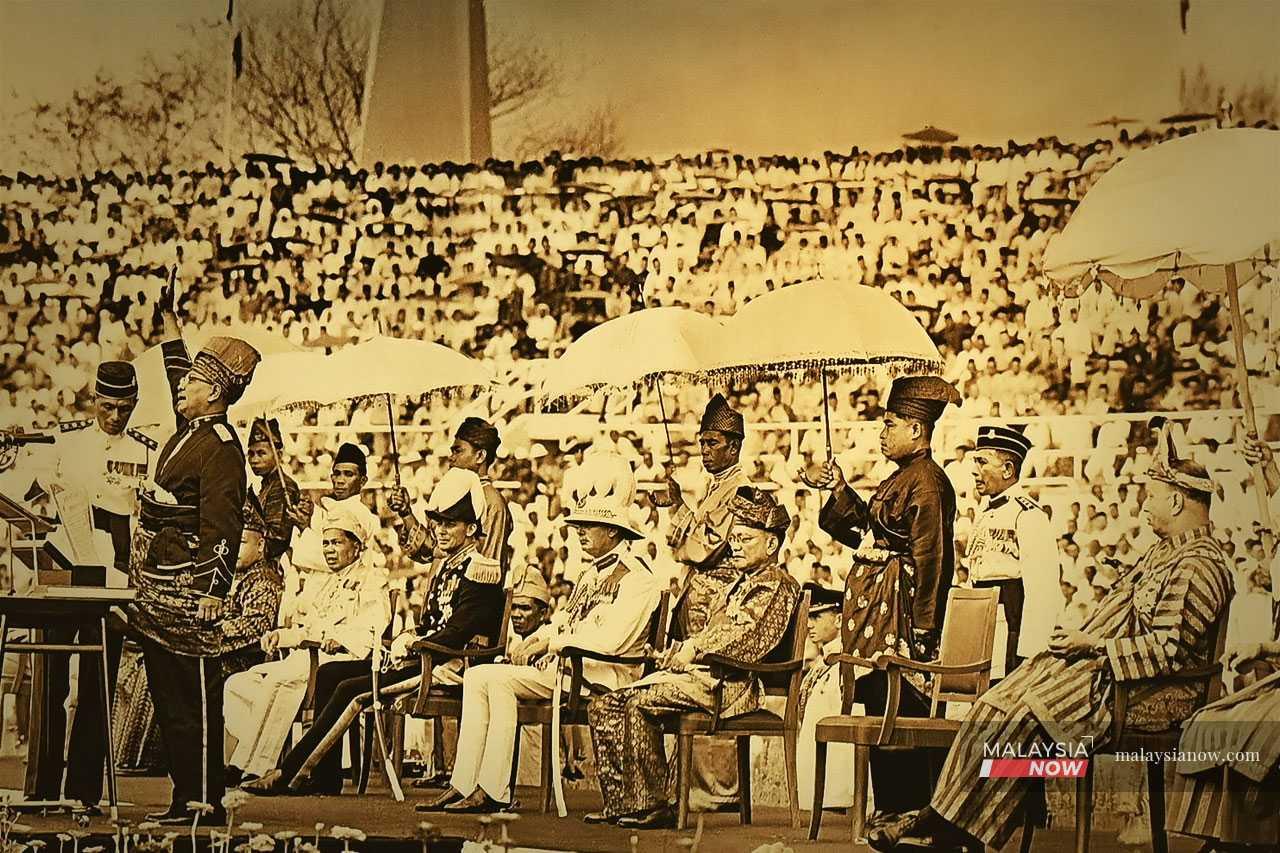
[
  {"x": 699, "y": 533},
  {"x": 895, "y": 593},
  {"x": 183, "y": 560},
  {"x": 1013, "y": 548},
  {"x": 276, "y": 492}
]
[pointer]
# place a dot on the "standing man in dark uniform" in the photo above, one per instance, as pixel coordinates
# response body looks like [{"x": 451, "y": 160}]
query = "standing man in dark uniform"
[
  {"x": 278, "y": 493},
  {"x": 895, "y": 597},
  {"x": 184, "y": 556},
  {"x": 106, "y": 462}
]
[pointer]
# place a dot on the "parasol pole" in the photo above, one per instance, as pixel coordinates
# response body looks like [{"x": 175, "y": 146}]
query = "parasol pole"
[
  {"x": 391, "y": 425},
  {"x": 275, "y": 457},
  {"x": 662, "y": 407},
  {"x": 1246, "y": 401},
  {"x": 826, "y": 415}
]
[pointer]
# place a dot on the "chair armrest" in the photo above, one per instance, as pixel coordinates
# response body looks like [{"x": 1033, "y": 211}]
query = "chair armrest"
[
  {"x": 575, "y": 652},
  {"x": 307, "y": 644},
  {"x": 838, "y": 657},
  {"x": 887, "y": 662},
  {"x": 428, "y": 647},
  {"x": 744, "y": 666},
  {"x": 1122, "y": 696}
]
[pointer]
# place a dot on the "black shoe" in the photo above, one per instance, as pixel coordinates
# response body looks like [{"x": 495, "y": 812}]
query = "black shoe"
[
  {"x": 232, "y": 776},
  {"x": 184, "y": 817},
  {"x": 478, "y": 803},
  {"x": 663, "y": 817},
  {"x": 449, "y": 797},
  {"x": 598, "y": 817},
  {"x": 87, "y": 809}
]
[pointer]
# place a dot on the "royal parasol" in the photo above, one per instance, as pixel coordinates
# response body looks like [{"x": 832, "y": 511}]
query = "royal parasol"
[
  {"x": 633, "y": 349},
  {"x": 381, "y": 367},
  {"x": 823, "y": 326},
  {"x": 1200, "y": 208}
]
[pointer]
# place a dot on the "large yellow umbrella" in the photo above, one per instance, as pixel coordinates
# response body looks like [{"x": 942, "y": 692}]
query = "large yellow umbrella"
[{"x": 1204, "y": 207}]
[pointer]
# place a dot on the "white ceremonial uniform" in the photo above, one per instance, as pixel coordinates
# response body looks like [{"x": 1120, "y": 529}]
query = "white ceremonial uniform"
[
  {"x": 591, "y": 620},
  {"x": 106, "y": 470},
  {"x": 824, "y": 701},
  {"x": 306, "y": 550},
  {"x": 260, "y": 704},
  {"x": 1012, "y": 538}
]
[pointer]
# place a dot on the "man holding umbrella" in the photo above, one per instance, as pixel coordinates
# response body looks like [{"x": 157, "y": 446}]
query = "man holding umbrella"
[
  {"x": 895, "y": 597},
  {"x": 277, "y": 492},
  {"x": 475, "y": 446}
]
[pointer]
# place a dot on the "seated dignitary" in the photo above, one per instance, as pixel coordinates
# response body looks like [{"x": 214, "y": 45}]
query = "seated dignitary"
[
  {"x": 463, "y": 606},
  {"x": 608, "y": 613},
  {"x": 1156, "y": 620},
  {"x": 1227, "y": 787},
  {"x": 530, "y": 609},
  {"x": 341, "y": 612},
  {"x": 347, "y": 478},
  {"x": 746, "y": 626}
]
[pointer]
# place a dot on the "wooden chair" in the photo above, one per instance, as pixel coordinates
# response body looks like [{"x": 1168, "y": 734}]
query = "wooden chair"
[
  {"x": 780, "y": 674},
  {"x": 1123, "y": 739},
  {"x": 573, "y": 710},
  {"x": 962, "y": 673},
  {"x": 433, "y": 700}
]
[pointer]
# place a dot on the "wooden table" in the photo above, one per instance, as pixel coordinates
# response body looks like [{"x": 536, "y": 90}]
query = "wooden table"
[{"x": 74, "y": 607}]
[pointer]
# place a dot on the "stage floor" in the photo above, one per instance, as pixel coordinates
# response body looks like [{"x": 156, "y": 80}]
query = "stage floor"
[{"x": 382, "y": 819}]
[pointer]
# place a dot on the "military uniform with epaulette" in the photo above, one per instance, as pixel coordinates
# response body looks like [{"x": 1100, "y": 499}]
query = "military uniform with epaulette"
[
  {"x": 184, "y": 555},
  {"x": 1013, "y": 549},
  {"x": 107, "y": 469}
]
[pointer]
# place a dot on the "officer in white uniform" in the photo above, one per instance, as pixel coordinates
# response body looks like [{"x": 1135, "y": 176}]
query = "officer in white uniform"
[
  {"x": 1012, "y": 547},
  {"x": 102, "y": 461}
]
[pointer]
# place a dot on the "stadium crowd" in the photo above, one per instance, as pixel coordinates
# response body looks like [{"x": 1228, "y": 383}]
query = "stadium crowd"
[{"x": 511, "y": 262}]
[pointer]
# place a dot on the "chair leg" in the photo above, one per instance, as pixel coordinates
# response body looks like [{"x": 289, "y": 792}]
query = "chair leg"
[
  {"x": 1028, "y": 831},
  {"x": 744, "y": 780},
  {"x": 684, "y": 770},
  {"x": 861, "y": 774},
  {"x": 353, "y": 746},
  {"x": 790, "y": 749},
  {"x": 819, "y": 789},
  {"x": 548, "y": 779},
  {"x": 1155, "y": 806},
  {"x": 366, "y": 760},
  {"x": 1084, "y": 809},
  {"x": 515, "y": 763}
]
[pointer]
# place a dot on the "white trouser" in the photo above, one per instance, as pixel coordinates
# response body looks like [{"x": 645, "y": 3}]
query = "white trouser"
[
  {"x": 487, "y": 734},
  {"x": 260, "y": 706}
]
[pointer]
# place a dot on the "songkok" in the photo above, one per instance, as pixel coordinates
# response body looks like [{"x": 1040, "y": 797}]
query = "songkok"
[
  {"x": 602, "y": 490},
  {"x": 227, "y": 363},
  {"x": 265, "y": 429},
  {"x": 1167, "y": 467},
  {"x": 921, "y": 397},
  {"x": 1009, "y": 439},
  {"x": 253, "y": 515},
  {"x": 117, "y": 380},
  {"x": 341, "y": 517},
  {"x": 459, "y": 496},
  {"x": 481, "y": 434},
  {"x": 822, "y": 599},
  {"x": 531, "y": 586},
  {"x": 351, "y": 454},
  {"x": 757, "y": 508},
  {"x": 720, "y": 417}
]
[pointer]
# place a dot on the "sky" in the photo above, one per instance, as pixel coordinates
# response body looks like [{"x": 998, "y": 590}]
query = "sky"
[{"x": 763, "y": 76}]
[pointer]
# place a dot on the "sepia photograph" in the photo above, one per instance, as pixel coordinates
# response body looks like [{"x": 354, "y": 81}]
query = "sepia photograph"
[{"x": 612, "y": 426}]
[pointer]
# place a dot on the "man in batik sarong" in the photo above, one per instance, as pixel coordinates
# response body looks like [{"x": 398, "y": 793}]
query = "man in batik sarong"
[
  {"x": 626, "y": 724},
  {"x": 1157, "y": 620}
]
